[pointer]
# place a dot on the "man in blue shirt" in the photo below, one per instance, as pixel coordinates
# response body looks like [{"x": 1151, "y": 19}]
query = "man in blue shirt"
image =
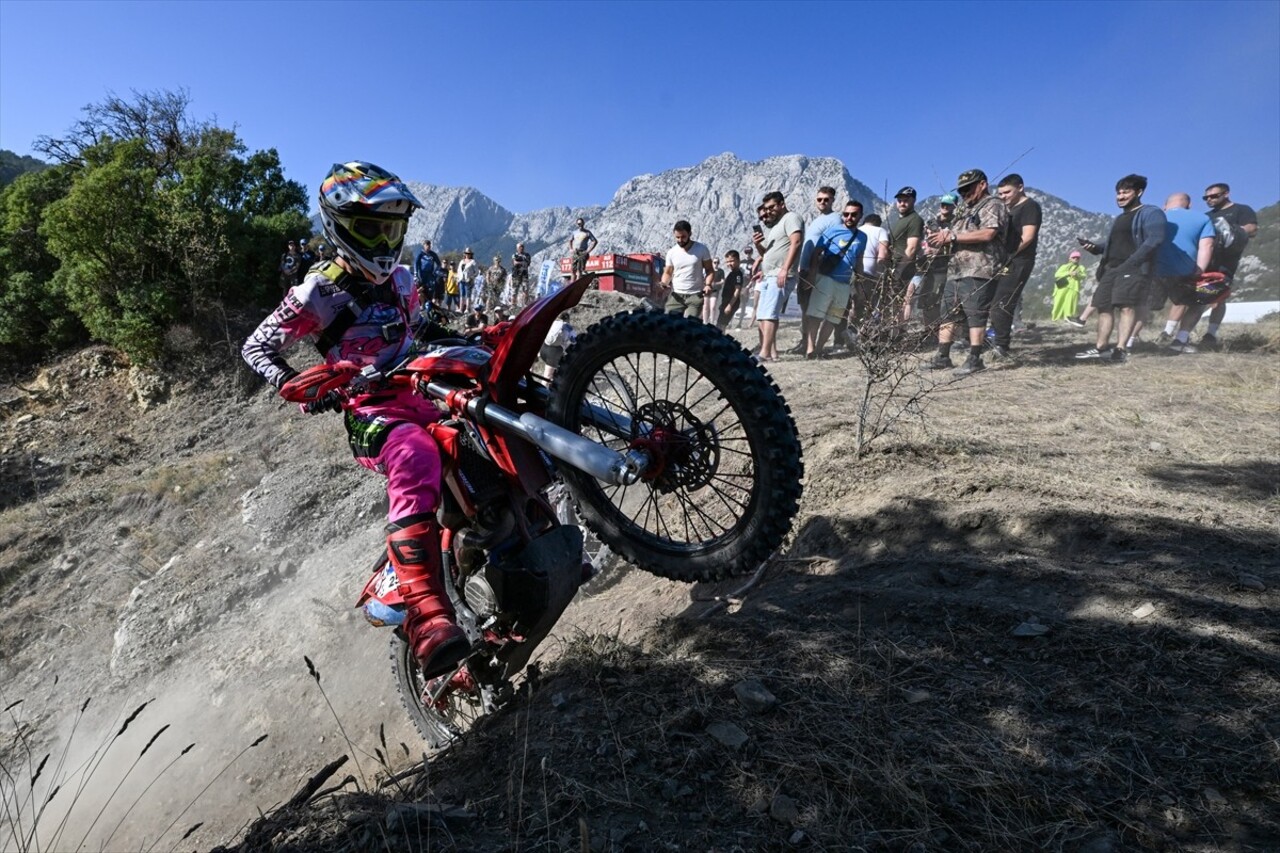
[
  {"x": 1185, "y": 253},
  {"x": 837, "y": 252}
]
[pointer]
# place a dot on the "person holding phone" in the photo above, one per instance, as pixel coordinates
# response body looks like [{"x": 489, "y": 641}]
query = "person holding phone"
[{"x": 779, "y": 250}]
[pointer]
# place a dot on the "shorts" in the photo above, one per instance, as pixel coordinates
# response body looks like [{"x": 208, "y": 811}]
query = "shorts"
[
  {"x": 1180, "y": 289},
  {"x": 688, "y": 304},
  {"x": 1126, "y": 290},
  {"x": 768, "y": 300},
  {"x": 968, "y": 298},
  {"x": 829, "y": 300}
]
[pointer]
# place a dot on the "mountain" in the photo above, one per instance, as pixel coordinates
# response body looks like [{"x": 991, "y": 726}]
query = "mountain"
[
  {"x": 718, "y": 197},
  {"x": 12, "y": 165},
  {"x": 1258, "y": 278}
]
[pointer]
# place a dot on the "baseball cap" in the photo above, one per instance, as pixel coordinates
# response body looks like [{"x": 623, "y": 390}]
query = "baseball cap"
[
  {"x": 948, "y": 198},
  {"x": 905, "y": 191},
  {"x": 1074, "y": 255},
  {"x": 969, "y": 177},
  {"x": 467, "y": 251}
]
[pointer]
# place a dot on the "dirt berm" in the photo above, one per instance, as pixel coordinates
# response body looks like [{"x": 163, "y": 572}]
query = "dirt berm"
[{"x": 1042, "y": 616}]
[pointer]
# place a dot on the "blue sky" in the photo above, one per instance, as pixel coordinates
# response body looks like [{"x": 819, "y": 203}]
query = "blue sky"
[{"x": 538, "y": 104}]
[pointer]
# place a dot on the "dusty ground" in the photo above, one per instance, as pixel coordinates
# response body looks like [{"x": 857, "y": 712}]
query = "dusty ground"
[{"x": 1123, "y": 519}]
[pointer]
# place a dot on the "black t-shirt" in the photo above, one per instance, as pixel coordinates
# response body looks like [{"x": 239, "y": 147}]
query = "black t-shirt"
[
  {"x": 732, "y": 283},
  {"x": 1120, "y": 245},
  {"x": 1231, "y": 219},
  {"x": 1026, "y": 213}
]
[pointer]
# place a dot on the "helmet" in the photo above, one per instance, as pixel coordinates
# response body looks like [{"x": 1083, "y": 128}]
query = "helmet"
[{"x": 365, "y": 211}]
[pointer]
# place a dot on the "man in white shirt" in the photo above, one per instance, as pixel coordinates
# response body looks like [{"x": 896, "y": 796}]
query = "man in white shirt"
[
  {"x": 874, "y": 260},
  {"x": 688, "y": 272}
]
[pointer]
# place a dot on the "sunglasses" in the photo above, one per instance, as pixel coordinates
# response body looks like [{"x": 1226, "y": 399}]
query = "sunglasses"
[
  {"x": 850, "y": 215},
  {"x": 1211, "y": 196},
  {"x": 822, "y": 198}
]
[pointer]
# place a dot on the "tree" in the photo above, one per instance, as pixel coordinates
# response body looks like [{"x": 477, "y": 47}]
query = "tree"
[
  {"x": 150, "y": 219},
  {"x": 34, "y": 314}
]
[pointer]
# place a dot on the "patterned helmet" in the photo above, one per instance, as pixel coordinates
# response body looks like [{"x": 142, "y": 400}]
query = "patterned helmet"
[{"x": 365, "y": 211}]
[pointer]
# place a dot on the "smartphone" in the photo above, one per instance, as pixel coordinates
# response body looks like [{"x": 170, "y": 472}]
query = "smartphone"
[
  {"x": 1082, "y": 241},
  {"x": 757, "y": 229}
]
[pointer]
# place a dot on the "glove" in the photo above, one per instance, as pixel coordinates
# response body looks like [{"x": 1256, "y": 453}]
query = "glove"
[{"x": 331, "y": 401}]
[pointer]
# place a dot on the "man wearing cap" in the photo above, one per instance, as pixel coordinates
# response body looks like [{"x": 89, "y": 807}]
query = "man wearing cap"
[
  {"x": 904, "y": 242},
  {"x": 1020, "y": 244},
  {"x": 581, "y": 242},
  {"x": 468, "y": 272},
  {"x": 1066, "y": 287},
  {"x": 976, "y": 240},
  {"x": 932, "y": 268},
  {"x": 1124, "y": 273}
]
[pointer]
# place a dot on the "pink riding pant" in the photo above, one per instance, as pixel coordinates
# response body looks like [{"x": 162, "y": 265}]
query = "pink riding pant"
[{"x": 410, "y": 460}]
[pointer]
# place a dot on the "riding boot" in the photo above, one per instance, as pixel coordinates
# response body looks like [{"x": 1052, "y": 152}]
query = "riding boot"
[{"x": 438, "y": 644}]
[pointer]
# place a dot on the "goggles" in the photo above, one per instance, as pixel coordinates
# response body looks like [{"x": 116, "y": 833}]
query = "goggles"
[{"x": 372, "y": 232}]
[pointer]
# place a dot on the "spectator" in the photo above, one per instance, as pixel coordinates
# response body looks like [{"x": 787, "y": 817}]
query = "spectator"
[
  {"x": 825, "y": 202},
  {"x": 425, "y": 268},
  {"x": 475, "y": 322},
  {"x": 688, "y": 272},
  {"x": 750, "y": 273},
  {"x": 730, "y": 289},
  {"x": 468, "y": 272},
  {"x": 779, "y": 254},
  {"x": 495, "y": 279},
  {"x": 1235, "y": 224},
  {"x": 290, "y": 266},
  {"x": 832, "y": 264},
  {"x": 1186, "y": 252},
  {"x": 932, "y": 268},
  {"x": 1020, "y": 244},
  {"x": 581, "y": 242},
  {"x": 452, "y": 290},
  {"x": 711, "y": 305},
  {"x": 308, "y": 258},
  {"x": 905, "y": 236},
  {"x": 875, "y": 260},
  {"x": 559, "y": 337},
  {"x": 520, "y": 262},
  {"x": 1124, "y": 273},
  {"x": 1066, "y": 287},
  {"x": 977, "y": 248}
]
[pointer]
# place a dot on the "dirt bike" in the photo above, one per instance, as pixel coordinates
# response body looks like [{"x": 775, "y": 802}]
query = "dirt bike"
[{"x": 677, "y": 451}]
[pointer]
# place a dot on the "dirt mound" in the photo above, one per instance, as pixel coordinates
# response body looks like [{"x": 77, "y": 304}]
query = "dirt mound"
[{"x": 1044, "y": 620}]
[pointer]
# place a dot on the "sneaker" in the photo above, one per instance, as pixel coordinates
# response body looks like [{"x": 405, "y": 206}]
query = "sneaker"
[
  {"x": 1119, "y": 356},
  {"x": 971, "y": 365},
  {"x": 1179, "y": 348},
  {"x": 939, "y": 362},
  {"x": 798, "y": 349},
  {"x": 1165, "y": 339},
  {"x": 1208, "y": 341},
  {"x": 1094, "y": 352},
  {"x": 1077, "y": 322},
  {"x": 1002, "y": 354}
]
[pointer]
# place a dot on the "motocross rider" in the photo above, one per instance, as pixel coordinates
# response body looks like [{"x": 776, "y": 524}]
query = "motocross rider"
[{"x": 362, "y": 306}]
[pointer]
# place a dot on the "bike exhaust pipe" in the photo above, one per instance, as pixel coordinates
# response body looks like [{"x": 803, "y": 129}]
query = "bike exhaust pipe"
[{"x": 609, "y": 466}]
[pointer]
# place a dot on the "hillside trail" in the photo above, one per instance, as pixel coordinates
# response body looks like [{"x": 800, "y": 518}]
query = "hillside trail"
[{"x": 192, "y": 553}]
